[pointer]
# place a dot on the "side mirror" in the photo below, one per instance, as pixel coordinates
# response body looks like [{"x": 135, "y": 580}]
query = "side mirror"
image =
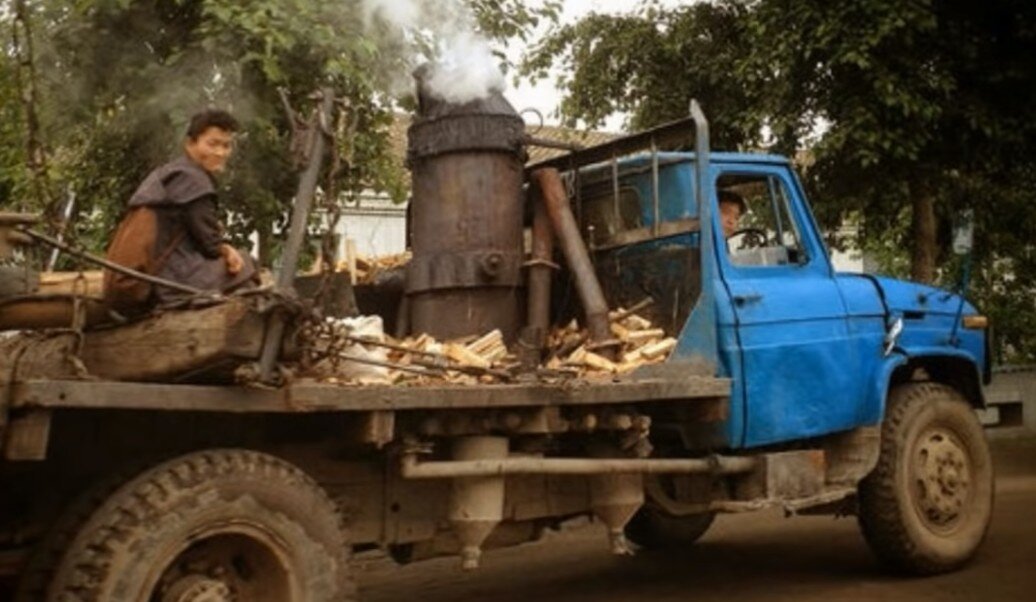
[{"x": 964, "y": 233}]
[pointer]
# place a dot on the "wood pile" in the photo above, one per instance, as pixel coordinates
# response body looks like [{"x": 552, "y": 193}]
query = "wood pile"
[
  {"x": 422, "y": 360},
  {"x": 418, "y": 360},
  {"x": 639, "y": 343},
  {"x": 364, "y": 270}
]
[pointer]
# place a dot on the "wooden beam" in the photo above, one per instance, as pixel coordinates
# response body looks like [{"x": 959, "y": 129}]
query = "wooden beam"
[
  {"x": 175, "y": 342},
  {"x": 316, "y": 397}
]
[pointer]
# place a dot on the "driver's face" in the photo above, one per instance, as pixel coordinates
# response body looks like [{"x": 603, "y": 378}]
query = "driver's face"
[{"x": 729, "y": 216}]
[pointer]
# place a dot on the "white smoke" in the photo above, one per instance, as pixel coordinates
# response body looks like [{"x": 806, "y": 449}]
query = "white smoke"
[{"x": 463, "y": 66}]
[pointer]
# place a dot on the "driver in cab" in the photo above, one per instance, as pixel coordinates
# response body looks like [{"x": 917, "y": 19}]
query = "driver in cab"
[{"x": 731, "y": 208}]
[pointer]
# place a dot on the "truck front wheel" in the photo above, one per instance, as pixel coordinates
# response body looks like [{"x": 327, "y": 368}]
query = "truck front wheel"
[
  {"x": 213, "y": 525},
  {"x": 926, "y": 506}
]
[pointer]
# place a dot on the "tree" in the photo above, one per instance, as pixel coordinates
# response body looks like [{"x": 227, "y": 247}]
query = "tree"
[
  {"x": 650, "y": 64},
  {"x": 117, "y": 80},
  {"x": 910, "y": 111}
]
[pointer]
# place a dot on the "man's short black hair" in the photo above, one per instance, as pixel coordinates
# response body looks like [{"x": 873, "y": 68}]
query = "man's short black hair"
[
  {"x": 210, "y": 118},
  {"x": 729, "y": 196}
]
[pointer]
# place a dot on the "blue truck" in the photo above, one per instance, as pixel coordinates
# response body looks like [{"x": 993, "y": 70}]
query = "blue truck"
[{"x": 791, "y": 385}]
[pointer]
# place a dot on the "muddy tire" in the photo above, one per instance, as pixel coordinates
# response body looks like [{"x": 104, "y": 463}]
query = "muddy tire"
[
  {"x": 652, "y": 529},
  {"x": 212, "y": 525},
  {"x": 926, "y": 506}
]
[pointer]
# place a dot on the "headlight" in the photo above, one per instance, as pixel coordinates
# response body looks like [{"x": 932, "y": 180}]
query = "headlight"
[{"x": 975, "y": 322}]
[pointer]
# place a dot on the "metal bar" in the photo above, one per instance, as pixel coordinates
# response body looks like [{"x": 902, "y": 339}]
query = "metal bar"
[
  {"x": 66, "y": 216},
  {"x": 114, "y": 266},
  {"x": 410, "y": 468},
  {"x": 392, "y": 365},
  {"x": 655, "y": 202},
  {"x": 393, "y": 346},
  {"x": 296, "y": 234},
  {"x": 615, "y": 187},
  {"x": 540, "y": 273},
  {"x": 666, "y": 136},
  {"x": 595, "y": 306}
]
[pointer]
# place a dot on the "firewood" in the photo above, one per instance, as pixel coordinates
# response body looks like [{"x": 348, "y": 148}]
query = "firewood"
[
  {"x": 635, "y": 322},
  {"x": 659, "y": 349},
  {"x": 626, "y": 367},
  {"x": 642, "y": 336},
  {"x": 421, "y": 343},
  {"x": 576, "y": 357},
  {"x": 465, "y": 357},
  {"x": 598, "y": 362},
  {"x": 620, "y": 331},
  {"x": 482, "y": 344},
  {"x": 495, "y": 353}
]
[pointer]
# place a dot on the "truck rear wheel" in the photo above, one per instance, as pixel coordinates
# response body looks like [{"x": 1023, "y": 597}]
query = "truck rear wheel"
[
  {"x": 209, "y": 526},
  {"x": 652, "y": 528},
  {"x": 926, "y": 506}
]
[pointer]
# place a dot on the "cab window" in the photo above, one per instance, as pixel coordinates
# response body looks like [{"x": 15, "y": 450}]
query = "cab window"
[{"x": 764, "y": 232}]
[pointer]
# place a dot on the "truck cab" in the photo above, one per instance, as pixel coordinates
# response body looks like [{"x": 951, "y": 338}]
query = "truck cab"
[{"x": 811, "y": 351}]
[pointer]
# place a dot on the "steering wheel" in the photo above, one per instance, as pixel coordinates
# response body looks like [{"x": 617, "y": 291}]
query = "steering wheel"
[{"x": 753, "y": 237}]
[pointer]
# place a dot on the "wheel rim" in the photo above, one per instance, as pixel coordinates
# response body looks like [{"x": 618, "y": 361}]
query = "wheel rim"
[
  {"x": 233, "y": 565},
  {"x": 942, "y": 477}
]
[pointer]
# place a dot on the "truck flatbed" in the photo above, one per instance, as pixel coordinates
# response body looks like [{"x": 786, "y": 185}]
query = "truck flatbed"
[{"x": 311, "y": 396}]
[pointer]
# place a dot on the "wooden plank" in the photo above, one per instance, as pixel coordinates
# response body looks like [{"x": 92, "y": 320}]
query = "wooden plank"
[
  {"x": 311, "y": 397},
  {"x": 175, "y": 342},
  {"x": 26, "y": 437}
]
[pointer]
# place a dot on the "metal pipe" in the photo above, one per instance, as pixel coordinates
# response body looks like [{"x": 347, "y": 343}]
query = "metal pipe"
[
  {"x": 540, "y": 267},
  {"x": 567, "y": 230},
  {"x": 113, "y": 266},
  {"x": 655, "y": 203},
  {"x": 296, "y": 233},
  {"x": 720, "y": 465}
]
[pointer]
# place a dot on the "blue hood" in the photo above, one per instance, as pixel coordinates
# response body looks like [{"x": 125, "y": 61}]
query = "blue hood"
[{"x": 903, "y": 296}]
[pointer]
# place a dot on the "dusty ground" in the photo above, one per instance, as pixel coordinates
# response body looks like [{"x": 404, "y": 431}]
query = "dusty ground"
[{"x": 761, "y": 556}]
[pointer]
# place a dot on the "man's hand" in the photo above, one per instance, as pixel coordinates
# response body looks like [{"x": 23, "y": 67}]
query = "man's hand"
[{"x": 232, "y": 258}]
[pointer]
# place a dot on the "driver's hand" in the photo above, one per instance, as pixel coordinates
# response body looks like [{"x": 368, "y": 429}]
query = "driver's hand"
[{"x": 232, "y": 259}]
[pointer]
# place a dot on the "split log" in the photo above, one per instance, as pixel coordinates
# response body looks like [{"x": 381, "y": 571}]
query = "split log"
[
  {"x": 659, "y": 349},
  {"x": 175, "y": 343},
  {"x": 465, "y": 357},
  {"x": 642, "y": 336}
]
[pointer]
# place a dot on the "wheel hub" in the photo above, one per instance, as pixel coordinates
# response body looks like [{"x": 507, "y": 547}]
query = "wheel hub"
[
  {"x": 943, "y": 477},
  {"x": 198, "y": 588}
]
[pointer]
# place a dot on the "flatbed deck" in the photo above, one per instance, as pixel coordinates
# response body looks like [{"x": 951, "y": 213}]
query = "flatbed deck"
[{"x": 311, "y": 396}]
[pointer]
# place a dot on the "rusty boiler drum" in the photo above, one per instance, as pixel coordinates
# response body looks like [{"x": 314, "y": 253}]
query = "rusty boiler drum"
[{"x": 466, "y": 161}]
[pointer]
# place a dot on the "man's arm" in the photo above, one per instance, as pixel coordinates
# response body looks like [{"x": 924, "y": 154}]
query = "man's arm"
[{"x": 202, "y": 221}]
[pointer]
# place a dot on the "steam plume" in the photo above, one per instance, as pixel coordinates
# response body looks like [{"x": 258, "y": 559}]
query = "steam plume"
[{"x": 464, "y": 68}]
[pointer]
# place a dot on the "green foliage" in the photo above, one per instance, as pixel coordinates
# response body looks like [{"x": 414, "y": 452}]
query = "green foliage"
[
  {"x": 119, "y": 79},
  {"x": 649, "y": 65},
  {"x": 890, "y": 102}
]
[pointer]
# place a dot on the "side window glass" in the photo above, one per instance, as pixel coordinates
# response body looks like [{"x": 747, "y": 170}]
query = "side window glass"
[{"x": 755, "y": 213}]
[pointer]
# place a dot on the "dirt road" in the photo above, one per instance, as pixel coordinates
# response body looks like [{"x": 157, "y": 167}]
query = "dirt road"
[{"x": 760, "y": 556}]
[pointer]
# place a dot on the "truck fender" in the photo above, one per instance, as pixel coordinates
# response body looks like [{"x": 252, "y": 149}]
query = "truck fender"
[
  {"x": 874, "y": 408},
  {"x": 955, "y": 369}
]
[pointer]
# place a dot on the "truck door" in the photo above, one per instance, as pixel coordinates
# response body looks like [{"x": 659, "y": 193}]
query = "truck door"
[{"x": 798, "y": 371}]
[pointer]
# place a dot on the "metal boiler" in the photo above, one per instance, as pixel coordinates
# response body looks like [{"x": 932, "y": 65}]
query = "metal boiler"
[{"x": 466, "y": 162}]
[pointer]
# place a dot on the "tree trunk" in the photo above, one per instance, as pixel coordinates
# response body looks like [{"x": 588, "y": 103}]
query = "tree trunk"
[
  {"x": 25, "y": 79},
  {"x": 922, "y": 260}
]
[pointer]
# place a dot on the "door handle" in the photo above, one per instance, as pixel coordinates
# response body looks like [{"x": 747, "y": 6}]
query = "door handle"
[{"x": 747, "y": 298}]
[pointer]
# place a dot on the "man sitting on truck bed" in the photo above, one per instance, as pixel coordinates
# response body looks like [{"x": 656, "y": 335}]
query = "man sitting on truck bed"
[{"x": 189, "y": 247}]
